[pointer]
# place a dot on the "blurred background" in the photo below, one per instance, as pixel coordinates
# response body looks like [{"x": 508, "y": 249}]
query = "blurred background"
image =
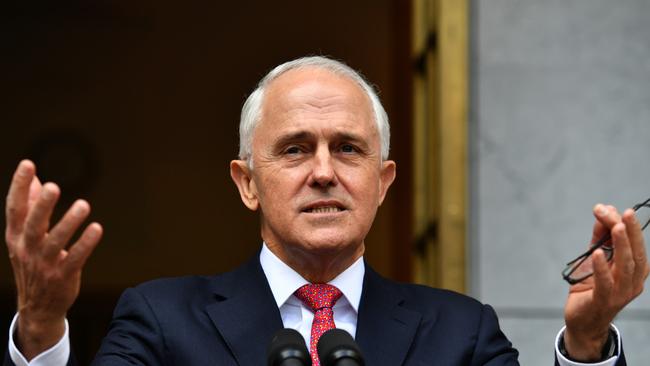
[{"x": 510, "y": 120}]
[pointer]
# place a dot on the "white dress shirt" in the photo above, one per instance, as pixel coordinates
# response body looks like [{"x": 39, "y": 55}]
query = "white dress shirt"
[
  {"x": 57, "y": 355},
  {"x": 563, "y": 361},
  {"x": 284, "y": 281}
]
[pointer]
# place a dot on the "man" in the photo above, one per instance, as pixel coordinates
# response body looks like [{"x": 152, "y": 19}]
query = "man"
[{"x": 314, "y": 162}]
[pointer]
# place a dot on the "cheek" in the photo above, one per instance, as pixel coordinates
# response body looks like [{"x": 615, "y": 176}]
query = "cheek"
[
  {"x": 280, "y": 185},
  {"x": 363, "y": 185}
]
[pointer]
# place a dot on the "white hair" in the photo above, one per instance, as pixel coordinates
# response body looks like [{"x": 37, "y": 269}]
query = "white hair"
[{"x": 251, "y": 112}]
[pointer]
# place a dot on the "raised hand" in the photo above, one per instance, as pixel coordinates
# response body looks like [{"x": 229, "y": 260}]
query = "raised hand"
[
  {"x": 593, "y": 303},
  {"x": 46, "y": 268}
]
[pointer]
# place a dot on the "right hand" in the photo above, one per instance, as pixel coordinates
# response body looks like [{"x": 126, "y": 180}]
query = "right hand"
[{"x": 46, "y": 268}]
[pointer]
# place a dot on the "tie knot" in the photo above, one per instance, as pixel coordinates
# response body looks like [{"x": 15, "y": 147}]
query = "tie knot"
[{"x": 318, "y": 296}]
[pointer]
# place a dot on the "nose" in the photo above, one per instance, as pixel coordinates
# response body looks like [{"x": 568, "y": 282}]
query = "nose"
[{"x": 323, "y": 173}]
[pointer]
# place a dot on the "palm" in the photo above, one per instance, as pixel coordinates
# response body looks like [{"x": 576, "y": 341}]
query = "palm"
[{"x": 579, "y": 308}]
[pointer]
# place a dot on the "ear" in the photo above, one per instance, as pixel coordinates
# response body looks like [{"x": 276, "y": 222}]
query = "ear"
[
  {"x": 387, "y": 176},
  {"x": 241, "y": 175}
]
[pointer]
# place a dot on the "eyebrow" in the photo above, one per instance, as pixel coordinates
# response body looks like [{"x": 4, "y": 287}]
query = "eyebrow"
[
  {"x": 306, "y": 135},
  {"x": 293, "y": 137},
  {"x": 351, "y": 137}
]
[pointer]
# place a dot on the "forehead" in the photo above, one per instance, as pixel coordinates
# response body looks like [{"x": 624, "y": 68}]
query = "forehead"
[{"x": 316, "y": 98}]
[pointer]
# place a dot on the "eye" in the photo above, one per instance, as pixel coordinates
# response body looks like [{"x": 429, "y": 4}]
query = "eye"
[
  {"x": 348, "y": 148},
  {"x": 292, "y": 150}
]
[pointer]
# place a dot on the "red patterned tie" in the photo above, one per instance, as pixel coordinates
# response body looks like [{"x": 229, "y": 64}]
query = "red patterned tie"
[{"x": 320, "y": 298}]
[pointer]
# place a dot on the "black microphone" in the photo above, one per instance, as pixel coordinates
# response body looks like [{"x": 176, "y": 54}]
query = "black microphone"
[
  {"x": 337, "y": 348},
  {"x": 287, "y": 348}
]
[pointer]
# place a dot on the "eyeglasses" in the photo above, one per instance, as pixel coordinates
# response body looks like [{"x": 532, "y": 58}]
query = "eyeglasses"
[{"x": 582, "y": 267}]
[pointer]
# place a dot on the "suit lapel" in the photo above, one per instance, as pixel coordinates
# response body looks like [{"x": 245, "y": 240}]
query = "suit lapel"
[
  {"x": 385, "y": 329},
  {"x": 245, "y": 314}
]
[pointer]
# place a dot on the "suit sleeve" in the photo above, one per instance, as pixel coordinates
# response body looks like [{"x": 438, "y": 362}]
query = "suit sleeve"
[
  {"x": 135, "y": 336},
  {"x": 492, "y": 346}
]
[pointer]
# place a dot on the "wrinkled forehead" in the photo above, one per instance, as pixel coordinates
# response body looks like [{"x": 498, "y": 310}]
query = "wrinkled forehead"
[{"x": 317, "y": 91}]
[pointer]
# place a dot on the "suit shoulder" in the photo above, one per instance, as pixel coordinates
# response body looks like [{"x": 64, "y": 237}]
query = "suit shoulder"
[
  {"x": 172, "y": 290},
  {"x": 425, "y": 297},
  {"x": 172, "y": 285},
  {"x": 195, "y": 290}
]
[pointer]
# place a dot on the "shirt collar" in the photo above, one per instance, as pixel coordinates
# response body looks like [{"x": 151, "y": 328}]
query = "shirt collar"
[{"x": 284, "y": 281}]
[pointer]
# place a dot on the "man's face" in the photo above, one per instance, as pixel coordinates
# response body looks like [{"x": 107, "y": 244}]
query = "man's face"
[{"x": 317, "y": 175}]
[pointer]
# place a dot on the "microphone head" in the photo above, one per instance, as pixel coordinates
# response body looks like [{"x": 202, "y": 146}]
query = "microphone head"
[
  {"x": 336, "y": 345},
  {"x": 287, "y": 344}
]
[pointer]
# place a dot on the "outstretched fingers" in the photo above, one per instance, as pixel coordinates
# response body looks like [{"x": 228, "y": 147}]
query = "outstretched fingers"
[
  {"x": 16, "y": 205},
  {"x": 81, "y": 250},
  {"x": 34, "y": 192},
  {"x": 62, "y": 232},
  {"x": 38, "y": 217}
]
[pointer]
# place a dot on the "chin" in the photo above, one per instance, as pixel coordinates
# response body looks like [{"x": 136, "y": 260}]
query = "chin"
[{"x": 328, "y": 244}]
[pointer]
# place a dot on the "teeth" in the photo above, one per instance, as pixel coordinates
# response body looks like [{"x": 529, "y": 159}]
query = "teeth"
[{"x": 328, "y": 209}]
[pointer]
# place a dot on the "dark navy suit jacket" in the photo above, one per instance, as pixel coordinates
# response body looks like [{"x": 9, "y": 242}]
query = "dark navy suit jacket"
[{"x": 229, "y": 319}]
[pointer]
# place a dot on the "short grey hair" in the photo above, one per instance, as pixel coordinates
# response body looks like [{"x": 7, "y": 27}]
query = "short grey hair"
[{"x": 251, "y": 112}]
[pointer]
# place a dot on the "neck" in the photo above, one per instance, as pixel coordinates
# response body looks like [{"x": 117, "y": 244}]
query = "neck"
[{"x": 321, "y": 266}]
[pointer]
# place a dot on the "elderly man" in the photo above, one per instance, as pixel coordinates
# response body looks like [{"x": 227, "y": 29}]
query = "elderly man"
[{"x": 314, "y": 143}]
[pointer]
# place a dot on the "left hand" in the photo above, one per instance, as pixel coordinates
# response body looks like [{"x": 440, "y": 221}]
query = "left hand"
[{"x": 593, "y": 303}]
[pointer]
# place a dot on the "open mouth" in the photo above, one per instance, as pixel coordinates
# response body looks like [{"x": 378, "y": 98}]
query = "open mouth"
[{"x": 324, "y": 209}]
